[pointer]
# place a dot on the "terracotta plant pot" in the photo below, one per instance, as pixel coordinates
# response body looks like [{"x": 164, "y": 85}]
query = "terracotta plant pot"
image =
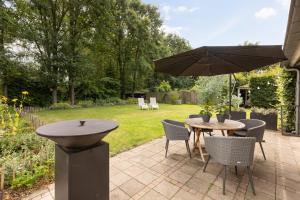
[{"x": 221, "y": 118}]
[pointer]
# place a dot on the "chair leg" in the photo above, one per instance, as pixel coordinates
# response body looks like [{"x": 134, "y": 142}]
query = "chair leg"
[
  {"x": 188, "y": 148},
  {"x": 224, "y": 179},
  {"x": 251, "y": 179},
  {"x": 167, "y": 146},
  {"x": 194, "y": 132},
  {"x": 236, "y": 170},
  {"x": 262, "y": 150},
  {"x": 206, "y": 163}
]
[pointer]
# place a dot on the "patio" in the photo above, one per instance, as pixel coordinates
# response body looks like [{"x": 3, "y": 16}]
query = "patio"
[{"x": 144, "y": 173}]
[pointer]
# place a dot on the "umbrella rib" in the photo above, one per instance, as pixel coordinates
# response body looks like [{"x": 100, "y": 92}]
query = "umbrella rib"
[{"x": 281, "y": 58}]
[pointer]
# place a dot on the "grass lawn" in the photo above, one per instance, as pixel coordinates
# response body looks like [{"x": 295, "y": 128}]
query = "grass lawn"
[{"x": 135, "y": 126}]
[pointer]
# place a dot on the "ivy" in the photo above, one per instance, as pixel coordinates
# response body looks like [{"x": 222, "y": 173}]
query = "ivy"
[{"x": 264, "y": 92}]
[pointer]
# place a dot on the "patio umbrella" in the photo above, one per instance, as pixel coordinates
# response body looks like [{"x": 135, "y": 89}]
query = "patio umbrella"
[{"x": 217, "y": 60}]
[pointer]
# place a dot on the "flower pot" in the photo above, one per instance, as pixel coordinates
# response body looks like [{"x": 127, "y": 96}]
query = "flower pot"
[
  {"x": 206, "y": 118},
  {"x": 221, "y": 118}
]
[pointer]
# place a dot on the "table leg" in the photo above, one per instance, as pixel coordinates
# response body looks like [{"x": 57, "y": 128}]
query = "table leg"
[
  {"x": 223, "y": 133},
  {"x": 198, "y": 144}
]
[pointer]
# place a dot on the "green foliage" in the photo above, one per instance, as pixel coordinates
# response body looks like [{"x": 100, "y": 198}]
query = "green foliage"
[
  {"x": 62, "y": 105},
  {"x": 264, "y": 92},
  {"x": 86, "y": 103},
  {"x": 236, "y": 102},
  {"x": 164, "y": 86},
  {"x": 289, "y": 85},
  {"x": 28, "y": 177},
  {"x": 263, "y": 110},
  {"x": 206, "y": 110},
  {"x": 212, "y": 90},
  {"x": 26, "y": 158},
  {"x": 172, "y": 97}
]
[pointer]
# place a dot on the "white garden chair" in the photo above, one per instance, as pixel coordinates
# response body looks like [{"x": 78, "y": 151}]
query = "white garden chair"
[
  {"x": 142, "y": 105},
  {"x": 153, "y": 104}
]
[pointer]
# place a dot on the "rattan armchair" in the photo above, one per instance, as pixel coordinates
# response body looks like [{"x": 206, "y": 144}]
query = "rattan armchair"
[
  {"x": 175, "y": 130},
  {"x": 231, "y": 151},
  {"x": 253, "y": 128}
]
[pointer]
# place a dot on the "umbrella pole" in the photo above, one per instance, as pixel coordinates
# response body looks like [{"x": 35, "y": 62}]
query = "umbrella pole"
[{"x": 229, "y": 96}]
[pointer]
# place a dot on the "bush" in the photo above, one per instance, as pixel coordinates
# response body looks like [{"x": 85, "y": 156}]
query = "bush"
[
  {"x": 164, "y": 86},
  {"x": 264, "y": 92},
  {"x": 86, "y": 103},
  {"x": 172, "y": 97},
  {"x": 110, "y": 101},
  {"x": 289, "y": 85},
  {"x": 60, "y": 106},
  {"x": 26, "y": 158},
  {"x": 236, "y": 101},
  {"x": 131, "y": 101},
  {"x": 263, "y": 110}
]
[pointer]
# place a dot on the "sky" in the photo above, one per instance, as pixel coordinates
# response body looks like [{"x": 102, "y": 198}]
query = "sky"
[{"x": 225, "y": 22}]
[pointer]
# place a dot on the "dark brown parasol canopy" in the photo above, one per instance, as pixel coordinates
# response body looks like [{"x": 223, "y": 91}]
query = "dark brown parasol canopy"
[{"x": 216, "y": 60}]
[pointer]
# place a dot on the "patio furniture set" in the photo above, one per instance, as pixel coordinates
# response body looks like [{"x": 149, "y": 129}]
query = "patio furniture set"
[
  {"x": 234, "y": 148},
  {"x": 144, "y": 106}
]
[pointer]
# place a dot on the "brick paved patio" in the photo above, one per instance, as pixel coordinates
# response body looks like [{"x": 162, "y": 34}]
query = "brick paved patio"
[{"x": 144, "y": 173}]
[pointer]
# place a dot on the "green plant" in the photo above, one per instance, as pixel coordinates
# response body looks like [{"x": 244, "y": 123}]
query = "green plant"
[
  {"x": 206, "y": 110},
  {"x": 59, "y": 106},
  {"x": 164, "y": 86},
  {"x": 263, "y": 110},
  {"x": 131, "y": 100},
  {"x": 172, "y": 97},
  {"x": 264, "y": 92},
  {"x": 86, "y": 103},
  {"x": 221, "y": 109}
]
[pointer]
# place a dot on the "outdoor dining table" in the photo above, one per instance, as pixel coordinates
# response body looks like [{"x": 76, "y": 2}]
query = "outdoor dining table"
[{"x": 198, "y": 125}]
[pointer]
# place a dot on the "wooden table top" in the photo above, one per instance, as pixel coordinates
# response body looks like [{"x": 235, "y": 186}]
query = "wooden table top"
[{"x": 214, "y": 124}]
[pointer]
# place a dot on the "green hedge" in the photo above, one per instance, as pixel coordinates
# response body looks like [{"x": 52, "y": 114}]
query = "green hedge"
[
  {"x": 289, "y": 85},
  {"x": 264, "y": 92}
]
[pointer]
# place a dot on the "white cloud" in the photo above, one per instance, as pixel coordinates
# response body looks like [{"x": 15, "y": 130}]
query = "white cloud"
[
  {"x": 284, "y": 3},
  {"x": 172, "y": 29},
  {"x": 265, "y": 13},
  {"x": 167, "y": 10},
  {"x": 185, "y": 9}
]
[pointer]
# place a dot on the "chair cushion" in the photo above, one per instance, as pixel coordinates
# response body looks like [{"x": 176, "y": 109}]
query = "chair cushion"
[{"x": 240, "y": 133}]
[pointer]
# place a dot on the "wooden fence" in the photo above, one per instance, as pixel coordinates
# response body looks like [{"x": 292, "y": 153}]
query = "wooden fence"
[{"x": 187, "y": 97}]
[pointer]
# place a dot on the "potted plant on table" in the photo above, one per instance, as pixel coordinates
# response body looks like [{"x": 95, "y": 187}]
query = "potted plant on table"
[
  {"x": 221, "y": 113},
  {"x": 206, "y": 112}
]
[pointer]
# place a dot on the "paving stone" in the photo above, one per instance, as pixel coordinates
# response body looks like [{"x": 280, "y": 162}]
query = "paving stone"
[
  {"x": 118, "y": 194},
  {"x": 184, "y": 195},
  {"x": 146, "y": 177},
  {"x": 153, "y": 195},
  {"x": 167, "y": 189},
  {"x": 180, "y": 176},
  {"x": 132, "y": 187},
  {"x": 119, "y": 178}
]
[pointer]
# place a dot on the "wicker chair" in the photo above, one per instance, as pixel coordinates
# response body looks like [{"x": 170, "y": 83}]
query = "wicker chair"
[
  {"x": 253, "y": 128},
  {"x": 231, "y": 151},
  {"x": 175, "y": 130}
]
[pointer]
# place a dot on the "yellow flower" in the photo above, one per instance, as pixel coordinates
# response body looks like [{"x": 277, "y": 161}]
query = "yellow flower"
[
  {"x": 14, "y": 100},
  {"x": 25, "y": 92},
  {"x": 4, "y": 99}
]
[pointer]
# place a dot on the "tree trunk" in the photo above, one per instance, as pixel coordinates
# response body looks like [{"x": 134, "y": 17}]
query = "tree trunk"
[
  {"x": 54, "y": 95},
  {"x": 72, "y": 93},
  {"x": 5, "y": 93}
]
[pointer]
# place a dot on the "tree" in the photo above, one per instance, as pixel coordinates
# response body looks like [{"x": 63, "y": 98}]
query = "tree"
[{"x": 43, "y": 25}]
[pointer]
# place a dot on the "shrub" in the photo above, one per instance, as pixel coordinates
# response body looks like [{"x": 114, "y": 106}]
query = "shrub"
[
  {"x": 264, "y": 92},
  {"x": 172, "y": 97},
  {"x": 164, "y": 86},
  {"x": 263, "y": 110},
  {"x": 110, "y": 101},
  {"x": 86, "y": 103},
  {"x": 236, "y": 101},
  {"x": 60, "y": 106},
  {"x": 289, "y": 85},
  {"x": 26, "y": 158},
  {"x": 131, "y": 101}
]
